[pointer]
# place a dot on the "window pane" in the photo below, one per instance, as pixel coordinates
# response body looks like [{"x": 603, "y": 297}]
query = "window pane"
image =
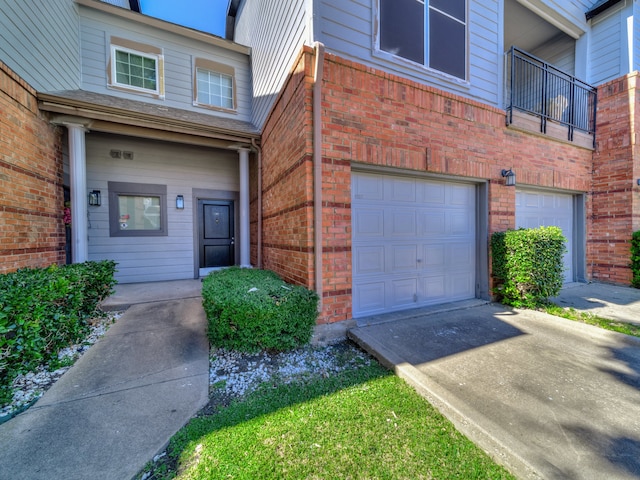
[
  {"x": 447, "y": 51},
  {"x": 402, "y": 28},
  {"x": 455, "y": 8},
  {"x": 214, "y": 88},
  {"x": 135, "y": 70},
  {"x": 138, "y": 212}
]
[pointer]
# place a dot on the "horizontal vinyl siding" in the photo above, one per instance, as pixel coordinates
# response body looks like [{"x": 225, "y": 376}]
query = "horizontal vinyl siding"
[
  {"x": 40, "y": 42},
  {"x": 275, "y": 31},
  {"x": 347, "y": 29},
  {"x": 559, "y": 52},
  {"x": 96, "y": 30},
  {"x": 606, "y": 59},
  {"x": 181, "y": 168}
]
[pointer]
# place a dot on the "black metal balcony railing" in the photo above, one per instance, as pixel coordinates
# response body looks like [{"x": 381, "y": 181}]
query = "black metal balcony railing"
[{"x": 539, "y": 89}]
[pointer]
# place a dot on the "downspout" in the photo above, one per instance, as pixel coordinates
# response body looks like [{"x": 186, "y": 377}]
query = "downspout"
[
  {"x": 259, "y": 235},
  {"x": 317, "y": 165}
]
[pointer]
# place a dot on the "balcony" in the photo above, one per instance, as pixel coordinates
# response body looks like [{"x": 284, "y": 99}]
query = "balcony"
[{"x": 543, "y": 99}]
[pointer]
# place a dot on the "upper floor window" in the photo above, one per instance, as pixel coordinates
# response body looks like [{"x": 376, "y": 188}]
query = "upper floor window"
[
  {"x": 429, "y": 32},
  {"x": 136, "y": 67},
  {"x": 214, "y": 85}
]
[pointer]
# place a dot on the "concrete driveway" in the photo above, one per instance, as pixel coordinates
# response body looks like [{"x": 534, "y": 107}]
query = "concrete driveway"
[{"x": 546, "y": 397}]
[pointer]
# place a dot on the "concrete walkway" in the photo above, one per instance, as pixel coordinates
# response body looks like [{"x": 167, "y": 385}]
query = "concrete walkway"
[
  {"x": 547, "y": 397},
  {"x": 120, "y": 403}
]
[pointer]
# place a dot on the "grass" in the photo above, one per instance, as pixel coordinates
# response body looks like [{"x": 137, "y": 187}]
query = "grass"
[
  {"x": 591, "y": 319},
  {"x": 360, "y": 423}
]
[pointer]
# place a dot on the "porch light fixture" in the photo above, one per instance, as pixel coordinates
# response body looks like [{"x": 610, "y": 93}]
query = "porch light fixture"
[
  {"x": 180, "y": 202},
  {"x": 94, "y": 198},
  {"x": 510, "y": 177}
]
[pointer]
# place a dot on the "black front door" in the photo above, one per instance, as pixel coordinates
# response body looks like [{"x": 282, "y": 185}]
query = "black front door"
[{"x": 215, "y": 218}]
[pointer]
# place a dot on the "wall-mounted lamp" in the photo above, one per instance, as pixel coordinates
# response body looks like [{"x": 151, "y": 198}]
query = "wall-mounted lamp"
[
  {"x": 94, "y": 198},
  {"x": 510, "y": 177},
  {"x": 180, "y": 202}
]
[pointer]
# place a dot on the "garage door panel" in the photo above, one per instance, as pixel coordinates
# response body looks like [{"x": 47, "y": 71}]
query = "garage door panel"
[
  {"x": 404, "y": 292},
  {"x": 431, "y": 224},
  {"x": 403, "y": 258},
  {"x": 368, "y": 187},
  {"x": 401, "y": 223},
  {"x": 461, "y": 223},
  {"x": 400, "y": 190},
  {"x": 368, "y": 260},
  {"x": 433, "y": 193},
  {"x": 434, "y": 288},
  {"x": 537, "y": 209},
  {"x": 428, "y": 241},
  {"x": 370, "y": 297},
  {"x": 368, "y": 223}
]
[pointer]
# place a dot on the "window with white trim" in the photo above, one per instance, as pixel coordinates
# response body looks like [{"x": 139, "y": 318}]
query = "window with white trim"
[
  {"x": 432, "y": 33},
  {"x": 133, "y": 69},
  {"x": 136, "y": 67},
  {"x": 213, "y": 85},
  {"x": 214, "y": 88}
]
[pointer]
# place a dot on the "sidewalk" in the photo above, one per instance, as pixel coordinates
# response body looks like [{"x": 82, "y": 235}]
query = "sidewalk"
[{"x": 120, "y": 403}]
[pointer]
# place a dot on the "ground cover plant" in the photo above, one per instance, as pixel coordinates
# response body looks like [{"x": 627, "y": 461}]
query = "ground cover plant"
[
  {"x": 361, "y": 423},
  {"x": 251, "y": 310},
  {"x": 44, "y": 310}
]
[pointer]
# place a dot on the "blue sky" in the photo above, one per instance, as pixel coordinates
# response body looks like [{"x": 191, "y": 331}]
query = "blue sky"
[{"x": 205, "y": 15}]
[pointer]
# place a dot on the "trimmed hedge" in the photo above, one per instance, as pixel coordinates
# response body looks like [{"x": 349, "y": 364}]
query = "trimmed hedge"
[
  {"x": 251, "y": 310},
  {"x": 43, "y": 310},
  {"x": 635, "y": 259},
  {"x": 528, "y": 265}
]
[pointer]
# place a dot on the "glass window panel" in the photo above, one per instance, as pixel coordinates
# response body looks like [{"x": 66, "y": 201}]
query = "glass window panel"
[
  {"x": 402, "y": 28},
  {"x": 139, "y": 212},
  {"x": 135, "y": 70},
  {"x": 447, "y": 45},
  {"x": 214, "y": 88},
  {"x": 455, "y": 8}
]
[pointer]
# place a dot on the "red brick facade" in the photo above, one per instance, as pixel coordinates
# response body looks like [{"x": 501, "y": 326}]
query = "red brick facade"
[
  {"x": 616, "y": 168},
  {"x": 31, "y": 191},
  {"x": 375, "y": 118}
]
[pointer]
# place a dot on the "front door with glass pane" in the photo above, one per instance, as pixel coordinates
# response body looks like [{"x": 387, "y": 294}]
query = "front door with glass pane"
[{"x": 216, "y": 231}]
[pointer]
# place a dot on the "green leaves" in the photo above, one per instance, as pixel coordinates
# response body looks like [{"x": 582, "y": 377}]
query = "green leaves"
[
  {"x": 635, "y": 259},
  {"x": 251, "y": 310},
  {"x": 43, "y": 310},
  {"x": 528, "y": 265}
]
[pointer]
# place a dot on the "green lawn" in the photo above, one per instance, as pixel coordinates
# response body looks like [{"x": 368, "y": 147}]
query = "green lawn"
[
  {"x": 591, "y": 319},
  {"x": 361, "y": 423}
]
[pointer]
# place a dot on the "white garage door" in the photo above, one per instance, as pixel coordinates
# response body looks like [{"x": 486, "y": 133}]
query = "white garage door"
[
  {"x": 537, "y": 209},
  {"x": 414, "y": 242}
]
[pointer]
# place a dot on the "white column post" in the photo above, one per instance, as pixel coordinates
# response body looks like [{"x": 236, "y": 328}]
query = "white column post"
[
  {"x": 78, "y": 180},
  {"x": 244, "y": 208}
]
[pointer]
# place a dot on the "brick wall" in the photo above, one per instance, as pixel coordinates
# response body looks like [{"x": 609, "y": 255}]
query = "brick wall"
[
  {"x": 616, "y": 166},
  {"x": 375, "y": 118},
  {"x": 31, "y": 192}
]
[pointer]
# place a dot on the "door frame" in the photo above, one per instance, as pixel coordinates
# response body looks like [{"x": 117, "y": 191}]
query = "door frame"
[{"x": 214, "y": 195}]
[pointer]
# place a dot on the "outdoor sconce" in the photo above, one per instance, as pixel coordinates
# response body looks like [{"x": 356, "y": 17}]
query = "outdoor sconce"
[
  {"x": 510, "y": 177},
  {"x": 180, "y": 202},
  {"x": 94, "y": 198}
]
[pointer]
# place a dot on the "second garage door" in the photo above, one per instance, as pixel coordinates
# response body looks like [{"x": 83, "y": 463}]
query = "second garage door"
[
  {"x": 536, "y": 209},
  {"x": 414, "y": 242}
]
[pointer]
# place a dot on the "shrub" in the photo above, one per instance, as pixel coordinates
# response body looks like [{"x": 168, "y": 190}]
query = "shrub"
[
  {"x": 635, "y": 259},
  {"x": 528, "y": 266},
  {"x": 43, "y": 310},
  {"x": 251, "y": 310}
]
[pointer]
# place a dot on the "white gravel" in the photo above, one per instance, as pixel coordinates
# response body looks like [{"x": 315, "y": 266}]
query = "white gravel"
[
  {"x": 236, "y": 374},
  {"x": 29, "y": 387}
]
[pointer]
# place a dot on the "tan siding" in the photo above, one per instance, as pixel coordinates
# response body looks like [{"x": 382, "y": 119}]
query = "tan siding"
[{"x": 181, "y": 168}]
